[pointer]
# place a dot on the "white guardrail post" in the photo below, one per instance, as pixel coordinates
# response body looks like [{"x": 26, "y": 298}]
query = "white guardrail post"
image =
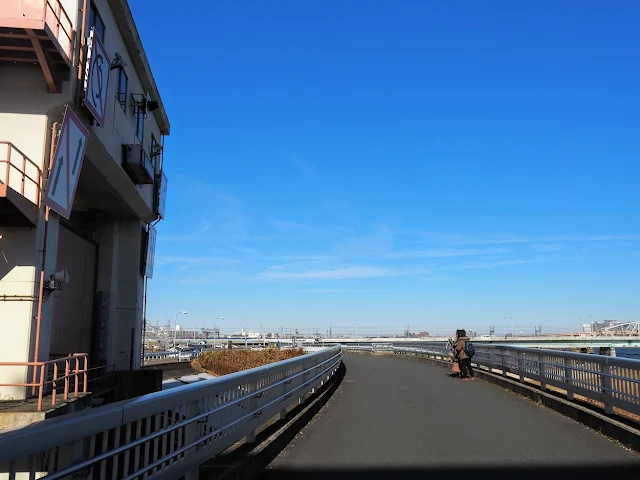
[
  {"x": 607, "y": 389},
  {"x": 192, "y": 433},
  {"x": 542, "y": 373},
  {"x": 568, "y": 377}
]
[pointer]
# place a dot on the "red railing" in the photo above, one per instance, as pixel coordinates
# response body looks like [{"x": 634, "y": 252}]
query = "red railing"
[
  {"x": 19, "y": 172},
  {"x": 59, "y": 23},
  {"x": 50, "y": 379}
]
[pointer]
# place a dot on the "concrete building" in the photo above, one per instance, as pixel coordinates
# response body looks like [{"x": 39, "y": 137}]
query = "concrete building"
[
  {"x": 60, "y": 58},
  {"x": 597, "y": 326}
]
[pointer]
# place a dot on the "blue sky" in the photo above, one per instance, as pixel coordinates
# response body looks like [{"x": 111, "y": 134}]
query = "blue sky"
[{"x": 432, "y": 164}]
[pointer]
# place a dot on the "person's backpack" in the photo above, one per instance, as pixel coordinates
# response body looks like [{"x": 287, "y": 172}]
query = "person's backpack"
[{"x": 469, "y": 349}]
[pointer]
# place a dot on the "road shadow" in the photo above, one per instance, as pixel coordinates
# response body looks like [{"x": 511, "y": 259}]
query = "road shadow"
[
  {"x": 466, "y": 472},
  {"x": 247, "y": 460}
]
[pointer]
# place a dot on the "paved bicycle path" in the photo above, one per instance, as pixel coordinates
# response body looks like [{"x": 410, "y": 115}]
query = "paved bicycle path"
[{"x": 392, "y": 412}]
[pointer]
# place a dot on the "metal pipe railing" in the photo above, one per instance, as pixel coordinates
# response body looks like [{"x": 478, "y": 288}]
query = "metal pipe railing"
[
  {"x": 43, "y": 384},
  {"x": 19, "y": 165},
  {"x": 611, "y": 381},
  {"x": 167, "y": 434},
  {"x": 57, "y": 19}
]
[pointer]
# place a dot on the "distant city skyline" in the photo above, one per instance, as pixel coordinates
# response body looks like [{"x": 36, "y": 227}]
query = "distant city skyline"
[{"x": 391, "y": 330}]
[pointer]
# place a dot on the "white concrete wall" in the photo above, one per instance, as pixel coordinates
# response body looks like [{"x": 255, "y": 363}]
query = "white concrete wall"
[
  {"x": 71, "y": 7},
  {"x": 17, "y": 275},
  {"x": 24, "y": 103},
  {"x": 106, "y": 235},
  {"x": 119, "y": 277},
  {"x": 20, "y": 260},
  {"x": 120, "y": 125}
]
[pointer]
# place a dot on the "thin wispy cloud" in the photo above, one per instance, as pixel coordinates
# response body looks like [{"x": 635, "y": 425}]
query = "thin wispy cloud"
[
  {"x": 204, "y": 225},
  {"x": 342, "y": 273},
  {"x": 334, "y": 274},
  {"x": 221, "y": 214},
  {"x": 503, "y": 263},
  {"x": 288, "y": 226},
  {"x": 507, "y": 238},
  {"x": 242, "y": 249},
  {"x": 302, "y": 164},
  {"x": 302, "y": 265},
  {"x": 304, "y": 258},
  {"x": 548, "y": 247},
  {"x": 320, "y": 290},
  {"x": 167, "y": 260},
  {"x": 443, "y": 253},
  {"x": 379, "y": 242}
]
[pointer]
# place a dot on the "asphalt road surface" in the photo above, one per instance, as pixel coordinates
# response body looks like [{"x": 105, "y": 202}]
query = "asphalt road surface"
[{"x": 392, "y": 412}]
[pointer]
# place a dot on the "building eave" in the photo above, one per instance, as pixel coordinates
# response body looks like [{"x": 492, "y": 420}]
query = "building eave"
[{"x": 131, "y": 37}]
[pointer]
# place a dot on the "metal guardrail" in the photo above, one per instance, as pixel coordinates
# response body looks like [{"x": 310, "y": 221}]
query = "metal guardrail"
[
  {"x": 168, "y": 355},
  {"x": 54, "y": 377},
  {"x": 614, "y": 382},
  {"x": 160, "y": 355},
  {"x": 58, "y": 21},
  {"x": 312, "y": 348},
  {"x": 547, "y": 341},
  {"x": 168, "y": 434},
  {"x": 368, "y": 348},
  {"x": 20, "y": 172},
  {"x": 150, "y": 357}
]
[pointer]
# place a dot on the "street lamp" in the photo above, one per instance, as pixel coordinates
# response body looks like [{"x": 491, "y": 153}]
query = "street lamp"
[
  {"x": 216, "y": 331},
  {"x": 264, "y": 335},
  {"x": 245, "y": 334},
  {"x": 176, "y": 329},
  {"x": 429, "y": 320}
]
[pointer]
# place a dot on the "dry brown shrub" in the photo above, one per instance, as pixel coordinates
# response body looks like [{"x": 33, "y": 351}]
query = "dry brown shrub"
[{"x": 224, "y": 362}]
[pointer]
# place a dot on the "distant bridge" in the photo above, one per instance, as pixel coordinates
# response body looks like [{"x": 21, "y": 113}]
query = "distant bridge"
[
  {"x": 568, "y": 341},
  {"x": 621, "y": 329}
]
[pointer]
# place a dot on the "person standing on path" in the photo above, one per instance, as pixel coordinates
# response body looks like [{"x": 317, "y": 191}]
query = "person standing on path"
[
  {"x": 453, "y": 357},
  {"x": 466, "y": 371}
]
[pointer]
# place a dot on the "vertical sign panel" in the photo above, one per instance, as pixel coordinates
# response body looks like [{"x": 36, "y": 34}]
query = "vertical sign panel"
[
  {"x": 162, "y": 200},
  {"x": 67, "y": 163},
  {"x": 97, "y": 78},
  {"x": 151, "y": 252}
]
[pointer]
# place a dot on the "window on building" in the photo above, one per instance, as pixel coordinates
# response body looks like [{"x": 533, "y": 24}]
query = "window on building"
[
  {"x": 121, "y": 91},
  {"x": 95, "y": 20}
]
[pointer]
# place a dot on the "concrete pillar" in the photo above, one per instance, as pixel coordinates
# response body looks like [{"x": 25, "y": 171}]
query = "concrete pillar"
[
  {"x": 17, "y": 305},
  {"x": 608, "y": 351},
  {"x": 127, "y": 332},
  {"x": 120, "y": 292},
  {"x": 106, "y": 235}
]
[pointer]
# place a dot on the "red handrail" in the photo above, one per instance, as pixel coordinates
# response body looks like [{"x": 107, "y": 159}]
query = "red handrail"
[
  {"x": 60, "y": 16},
  {"x": 70, "y": 371},
  {"x": 21, "y": 170}
]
